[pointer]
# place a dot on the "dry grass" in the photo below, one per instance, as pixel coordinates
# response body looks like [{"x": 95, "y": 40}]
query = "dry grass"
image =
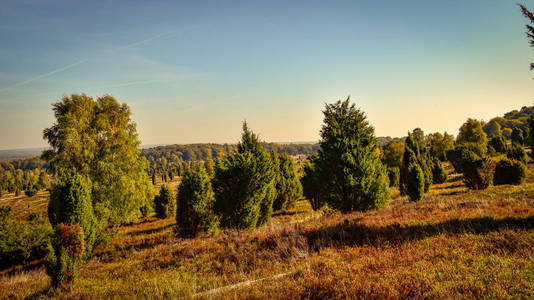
[{"x": 455, "y": 243}]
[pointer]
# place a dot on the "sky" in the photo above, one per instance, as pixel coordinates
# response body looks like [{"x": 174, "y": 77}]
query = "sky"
[{"x": 192, "y": 71}]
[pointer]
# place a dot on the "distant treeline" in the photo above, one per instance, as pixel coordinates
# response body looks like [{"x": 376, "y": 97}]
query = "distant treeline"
[
  {"x": 172, "y": 157},
  {"x": 510, "y": 120}
]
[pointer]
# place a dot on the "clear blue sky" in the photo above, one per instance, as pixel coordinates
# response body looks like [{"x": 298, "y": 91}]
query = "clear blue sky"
[{"x": 193, "y": 70}]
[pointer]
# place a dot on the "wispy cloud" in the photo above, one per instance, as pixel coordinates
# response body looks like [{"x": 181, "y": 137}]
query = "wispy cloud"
[
  {"x": 138, "y": 82},
  {"x": 67, "y": 67}
]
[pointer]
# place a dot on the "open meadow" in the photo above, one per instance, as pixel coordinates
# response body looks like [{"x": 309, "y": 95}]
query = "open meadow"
[{"x": 455, "y": 243}]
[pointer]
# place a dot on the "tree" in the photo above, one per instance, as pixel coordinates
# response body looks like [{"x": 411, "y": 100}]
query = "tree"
[
  {"x": 392, "y": 154},
  {"x": 498, "y": 143},
  {"x": 288, "y": 187},
  {"x": 311, "y": 184},
  {"x": 493, "y": 129},
  {"x": 71, "y": 203},
  {"x": 415, "y": 183},
  {"x": 413, "y": 154},
  {"x": 44, "y": 180},
  {"x": 509, "y": 171},
  {"x": 164, "y": 202},
  {"x": 65, "y": 254},
  {"x": 517, "y": 152},
  {"x": 517, "y": 136},
  {"x": 530, "y": 29},
  {"x": 419, "y": 136},
  {"x": 530, "y": 135},
  {"x": 471, "y": 133},
  {"x": 97, "y": 139},
  {"x": 438, "y": 172},
  {"x": 244, "y": 184},
  {"x": 349, "y": 163},
  {"x": 440, "y": 144},
  {"x": 195, "y": 201}
]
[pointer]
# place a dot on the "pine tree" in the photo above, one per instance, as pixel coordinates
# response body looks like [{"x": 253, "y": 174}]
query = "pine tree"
[
  {"x": 288, "y": 187},
  {"x": 353, "y": 176},
  {"x": 244, "y": 184},
  {"x": 311, "y": 184},
  {"x": 195, "y": 201},
  {"x": 415, "y": 183}
]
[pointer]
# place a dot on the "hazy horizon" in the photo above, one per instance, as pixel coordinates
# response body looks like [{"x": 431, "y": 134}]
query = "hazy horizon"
[{"x": 191, "y": 72}]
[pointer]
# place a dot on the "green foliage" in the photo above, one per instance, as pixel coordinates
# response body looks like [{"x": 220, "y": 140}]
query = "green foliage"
[
  {"x": 97, "y": 139},
  {"x": 21, "y": 241},
  {"x": 288, "y": 187},
  {"x": 65, "y": 254},
  {"x": 71, "y": 203},
  {"x": 413, "y": 154},
  {"x": 165, "y": 202},
  {"x": 498, "y": 143},
  {"x": 415, "y": 182},
  {"x": 195, "y": 201},
  {"x": 517, "y": 136},
  {"x": 352, "y": 175},
  {"x": 509, "y": 171},
  {"x": 517, "y": 152},
  {"x": 530, "y": 135},
  {"x": 30, "y": 191},
  {"x": 311, "y": 184},
  {"x": 478, "y": 171},
  {"x": 493, "y": 129},
  {"x": 438, "y": 172},
  {"x": 243, "y": 184},
  {"x": 460, "y": 151},
  {"x": 394, "y": 176},
  {"x": 440, "y": 144},
  {"x": 392, "y": 154},
  {"x": 154, "y": 178},
  {"x": 472, "y": 134}
]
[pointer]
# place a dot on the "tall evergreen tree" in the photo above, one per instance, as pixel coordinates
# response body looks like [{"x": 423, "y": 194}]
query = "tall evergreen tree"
[
  {"x": 311, "y": 184},
  {"x": 353, "y": 176},
  {"x": 244, "y": 184},
  {"x": 165, "y": 202}
]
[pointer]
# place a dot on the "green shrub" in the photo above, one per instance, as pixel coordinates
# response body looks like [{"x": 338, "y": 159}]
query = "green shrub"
[
  {"x": 478, "y": 171},
  {"x": 311, "y": 184},
  {"x": 71, "y": 203},
  {"x": 438, "y": 172},
  {"x": 508, "y": 171},
  {"x": 194, "y": 210},
  {"x": 498, "y": 143},
  {"x": 517, "y": 152},
  {"x": 415, "y": 182},
  {"x": 65, "y": 253},
  {"x": 164, "y": 202},
  {"x": 517, "y": 136},
  {"x": 394, "y": 176},
  {"x": 30, "y": 191},
  {"x": 21, "y": 241},
  {"x": 288, "y": 187}
]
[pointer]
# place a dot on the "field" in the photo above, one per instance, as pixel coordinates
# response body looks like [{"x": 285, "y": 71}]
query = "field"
[{"x": 455, "y": 243}]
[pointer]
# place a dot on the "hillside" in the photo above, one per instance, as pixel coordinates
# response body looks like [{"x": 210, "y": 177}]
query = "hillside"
[{"x": 454, "y": 243}]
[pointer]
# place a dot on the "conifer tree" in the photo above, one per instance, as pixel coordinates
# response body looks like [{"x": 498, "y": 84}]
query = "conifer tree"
[
  {"x": 165, "y": 202},
  {"x": 194, "y": 211},
  {"x": 415, "y": 183},
  {"x": 244, "y": 184},
  {"x": 288, "y": 187},
  {"x": 311, "y": 184},
  {"x": 517, "y": 136},
  {"x": 350, "y": 169}
]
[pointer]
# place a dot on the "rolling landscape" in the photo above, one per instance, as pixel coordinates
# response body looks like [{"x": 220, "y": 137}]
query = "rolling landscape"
[{"x": 189, "y": 178}]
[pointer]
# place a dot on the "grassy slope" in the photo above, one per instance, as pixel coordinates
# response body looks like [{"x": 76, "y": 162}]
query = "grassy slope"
[{"x": 454, "y": 243}]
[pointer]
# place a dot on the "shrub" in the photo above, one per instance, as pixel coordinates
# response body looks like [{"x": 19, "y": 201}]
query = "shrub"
[
  {"x": 517, "y": 152},
  {"x": 288, "y": 187},
  {"x": 517, "y": 136},
  {"x": 311, "y": 184},
  {"x": 415, "y": 182},
  {"x": 194, "y": 210},
  {"x": 65, "y": 253},
  {"x": 30, "y": 191},
  {"x": 478, "y": 172},
  {"x": 351, "y": 171},
  {"x": 438, "y": 172},
  {"x": 394, "y": 176},
  {"x": 71, "y": 203},
  {"x": 498, "y": 143},
  {"x": 472, "y": 134},
  {"x": 164, "y": 202},
  {"x": 21, "y": 241},
  {"x": 508, "y": 171}
]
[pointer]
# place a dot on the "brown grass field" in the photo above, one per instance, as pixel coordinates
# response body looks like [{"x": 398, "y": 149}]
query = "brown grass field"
[{"x": 455, "y": 243}]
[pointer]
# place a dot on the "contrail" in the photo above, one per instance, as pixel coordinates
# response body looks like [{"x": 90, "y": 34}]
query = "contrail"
[
  {"x": 85, "y": 60},
  {"x": 44, "y": 75}
]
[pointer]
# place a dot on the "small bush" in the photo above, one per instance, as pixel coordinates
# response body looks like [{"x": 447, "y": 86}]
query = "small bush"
[
  {"x": 194, "y": 213},
  {"x": 65, "y": 253},
  {"x": 394, "y": 176},
  {"x": 30, "y": 191},
  {"x": 438, "y": 172},
  {"x": 478, "y": 172},
  {"x": 415, "y": 182},
  {"x": 509, "y": 171},
  {"x": 498, "y": 143},
  {"x": 516, "y": 152},
  {"x": 311, "y": 184},
  {"x": 164, "y": 202}
]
